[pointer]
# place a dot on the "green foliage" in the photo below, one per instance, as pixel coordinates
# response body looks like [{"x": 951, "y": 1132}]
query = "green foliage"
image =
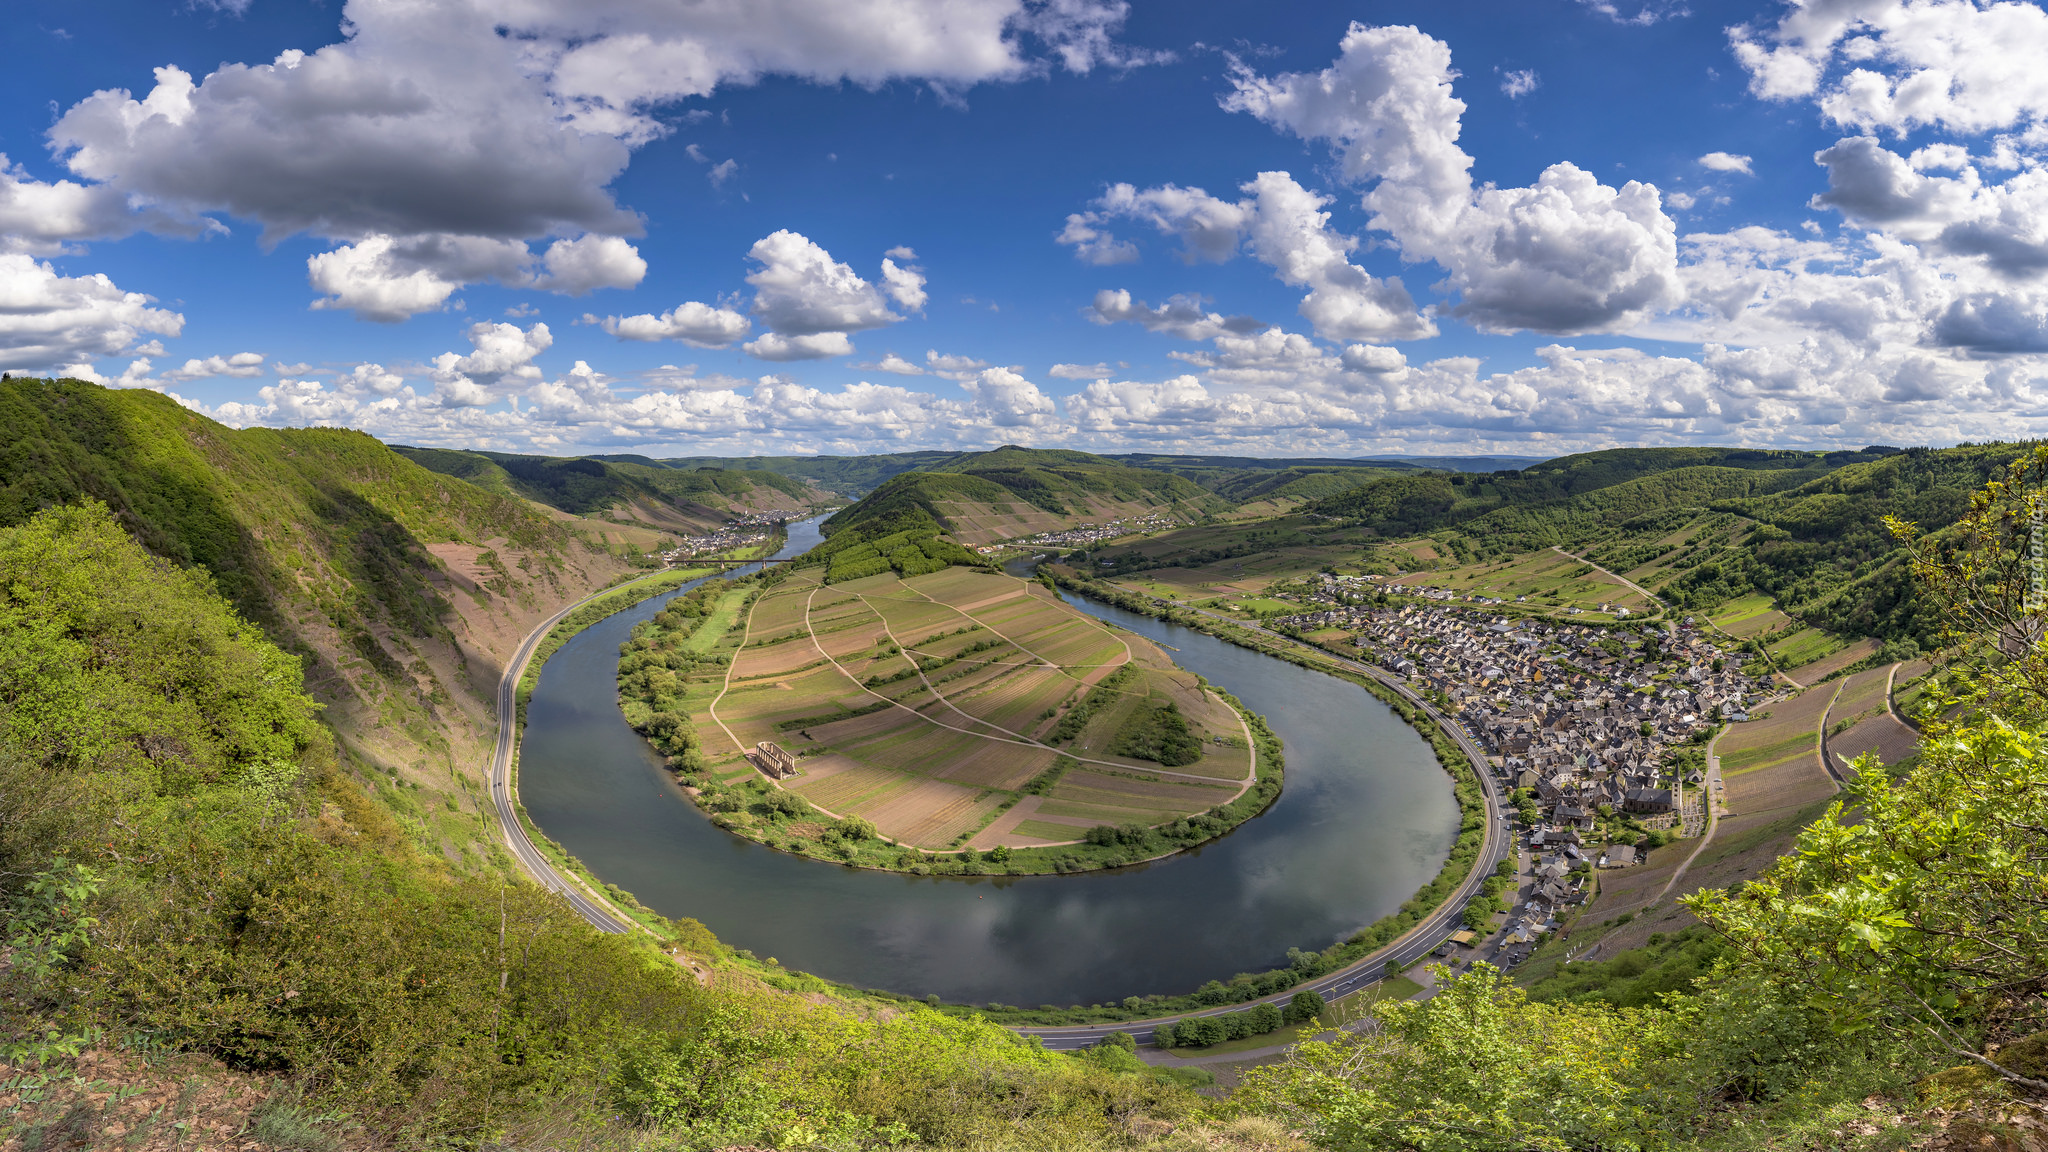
[
  {"x": 1160, "y": 734},
  {"x": 1474, "y": 1067},
  {"x": 909, "y": 552},
  {"x": 585, "y": 484},
  {"x": 1640, "y": 977}
]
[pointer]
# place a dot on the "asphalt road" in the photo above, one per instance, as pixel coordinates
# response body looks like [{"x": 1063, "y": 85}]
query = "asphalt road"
[
  {"x": 1417, "y": 943},
  {"x": 537, "y": 865}
]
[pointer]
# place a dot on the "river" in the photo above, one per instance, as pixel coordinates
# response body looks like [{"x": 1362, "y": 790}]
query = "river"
[{"x": 1366, "y": 818}]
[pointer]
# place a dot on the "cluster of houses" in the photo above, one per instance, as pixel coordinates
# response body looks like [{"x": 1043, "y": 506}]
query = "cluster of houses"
[
  {"x": 767, "y": 518},
  {"x": 1581, "y": 717},
  {"x": 744, "y": 531},
  {"x": 1089, "y": 535}
]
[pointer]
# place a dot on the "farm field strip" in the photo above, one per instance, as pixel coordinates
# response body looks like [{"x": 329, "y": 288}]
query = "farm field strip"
[
  {"x": 1862, "y": 694},
  {"x": 1147, "y": 791},
  {"x": 842, "y": 791},
  {"x": 1098, "y": 798},
  {"x": 1778, "y": 759},
  {"x": 1748, "y": 616},
  {"x": 991, "y": 626},
  {"x": 1100, "y": 813},
  {"x": 1833, "y": 662}
]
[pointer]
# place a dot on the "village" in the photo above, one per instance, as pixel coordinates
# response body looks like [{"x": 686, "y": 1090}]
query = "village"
[
  {"x": 1580, "y": 722},
  {"x": 1089, "y": 535},
  {"x": 749, "y": 530}
]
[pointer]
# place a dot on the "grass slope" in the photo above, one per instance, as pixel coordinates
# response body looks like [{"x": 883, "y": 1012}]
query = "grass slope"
[{"x": 394, "y": 585}]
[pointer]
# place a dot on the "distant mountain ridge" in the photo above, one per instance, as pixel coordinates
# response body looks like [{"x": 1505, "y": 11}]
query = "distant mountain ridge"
[
  {"x": 856, "y": 476},
  {"x": 1013, "y": 492},
  {"x": 687, "y": 499}
]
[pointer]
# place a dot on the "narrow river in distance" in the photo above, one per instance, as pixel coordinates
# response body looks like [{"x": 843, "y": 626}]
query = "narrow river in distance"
[{"x": 1366, "y": 818}]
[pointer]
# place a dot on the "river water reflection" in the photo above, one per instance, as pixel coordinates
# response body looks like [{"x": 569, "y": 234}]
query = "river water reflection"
[{"x": 1366, "y": 818}]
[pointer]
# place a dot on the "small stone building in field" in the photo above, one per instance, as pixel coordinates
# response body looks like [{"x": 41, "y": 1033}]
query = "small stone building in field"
[{"x": 774, "y": 760}]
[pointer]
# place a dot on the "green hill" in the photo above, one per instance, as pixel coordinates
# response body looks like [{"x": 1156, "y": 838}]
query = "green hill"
[
  {"x": 400, "y": 589},
  {"x": 849, "y": 477},
  {"x": 586, "y": 485},
  {"x": 856, "y": 476},
  {"x": 1415, "y": 504},
  {"x": 1010, "y": 492},
  {"x": 1299, "y": 484},
  {"x": 1822, "y": 549}
]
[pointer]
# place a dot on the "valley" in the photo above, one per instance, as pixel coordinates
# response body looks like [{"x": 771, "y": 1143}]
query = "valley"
[{"x": 988, "y": 733}]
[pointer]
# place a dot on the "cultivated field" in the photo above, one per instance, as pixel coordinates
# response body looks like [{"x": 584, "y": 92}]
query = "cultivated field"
[
  {"x": 1861, "y": 723},
  {"x": 1547, "y": 579},
  {"x": 1774, "y": 761},
  {"x": 964, "y": 708},
  {"x": 1751, "y": 615},
  {"x": 1836, "y": 654}
]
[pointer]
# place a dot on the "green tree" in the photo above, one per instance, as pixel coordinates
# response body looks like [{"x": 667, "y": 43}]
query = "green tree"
[
  {"x": 1305, "y": 1006},
  {"x": 1474, "y": 1067}
]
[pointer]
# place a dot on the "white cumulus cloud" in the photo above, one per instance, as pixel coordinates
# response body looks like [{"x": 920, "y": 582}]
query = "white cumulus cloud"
[
  {"x": 1096, "y": 371},
  {"x": 1181, "y": 315},
  {"x": 809, "y": 346},
  {"x": 1726, "y": 162},
  {"x": 696, "y": 324},
  {"x": 1901, "y": 64},
  {"x": 904, "y": 283},
  {"x": 1284, "y": 226},
  {"x": 50, "y": 321},
  {"x": 1565, "y": 255},
  {"x": 241, "y": 364}
]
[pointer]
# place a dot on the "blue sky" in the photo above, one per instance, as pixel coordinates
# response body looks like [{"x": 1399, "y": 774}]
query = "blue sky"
[{"x": 624, "y": 225}]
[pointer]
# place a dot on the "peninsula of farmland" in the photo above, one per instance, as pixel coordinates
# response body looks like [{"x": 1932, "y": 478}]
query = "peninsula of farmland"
[{"x": 967, "y": 712}]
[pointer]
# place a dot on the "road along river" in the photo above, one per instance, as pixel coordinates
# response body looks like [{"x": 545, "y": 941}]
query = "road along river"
[{"x": 1367, "y": 817}]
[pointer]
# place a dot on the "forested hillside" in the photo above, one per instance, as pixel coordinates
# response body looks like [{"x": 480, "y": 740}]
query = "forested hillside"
[
  {"x": 1823, "y": 551},
  {"x": 856, "y": 476},
  {"x": 400, "y": 590},
  {"x": 692, "y": 498},
  {"x": 1012, "y": 492},
  {"x": 849, "y": 477},
  {"x": 1400, "y": 505},
  {"x": 1810, "y": 531}
]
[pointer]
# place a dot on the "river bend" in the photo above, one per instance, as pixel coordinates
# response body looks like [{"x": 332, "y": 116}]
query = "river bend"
[{"x": 1366, "y": 818}]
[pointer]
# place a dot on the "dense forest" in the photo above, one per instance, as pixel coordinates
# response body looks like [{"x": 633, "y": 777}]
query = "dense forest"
[{"x": 588, "y": 484}]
